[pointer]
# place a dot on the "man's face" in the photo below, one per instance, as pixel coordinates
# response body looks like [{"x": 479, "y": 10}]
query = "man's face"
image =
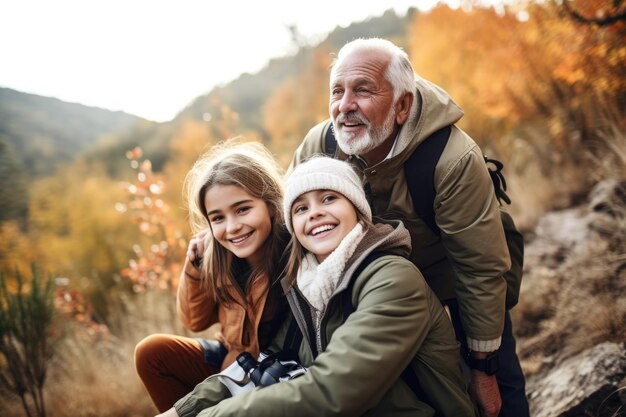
[{"x": 361, "y": 102}]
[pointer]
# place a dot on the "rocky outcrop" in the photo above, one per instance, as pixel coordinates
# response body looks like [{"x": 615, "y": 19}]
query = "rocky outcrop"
[
  {"x": 587, "y": 384},
  {"x": 571, "y": 319}
]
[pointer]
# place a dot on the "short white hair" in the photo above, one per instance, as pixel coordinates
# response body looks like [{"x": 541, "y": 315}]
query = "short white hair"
[{"x": 400, "y": 71}]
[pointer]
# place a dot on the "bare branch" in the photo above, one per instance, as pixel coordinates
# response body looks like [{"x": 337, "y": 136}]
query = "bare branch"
[{"x": 604, "y": 21}]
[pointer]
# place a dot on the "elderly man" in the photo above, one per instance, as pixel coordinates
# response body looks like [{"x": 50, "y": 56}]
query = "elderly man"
[{"x": 381, "y": 111}]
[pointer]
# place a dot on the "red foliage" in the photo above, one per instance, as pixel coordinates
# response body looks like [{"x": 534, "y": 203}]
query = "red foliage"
[{"x": 159, "y": 264}]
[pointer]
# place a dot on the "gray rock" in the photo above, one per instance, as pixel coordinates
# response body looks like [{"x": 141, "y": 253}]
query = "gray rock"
[{"x": 587, "y": 384}]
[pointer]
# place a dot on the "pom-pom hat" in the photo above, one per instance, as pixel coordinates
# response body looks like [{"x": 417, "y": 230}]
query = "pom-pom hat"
[{"x": 324, "y": 173}]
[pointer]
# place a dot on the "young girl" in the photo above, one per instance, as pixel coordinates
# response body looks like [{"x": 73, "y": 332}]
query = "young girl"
[
  {"x": 231, "y": 272},
  {"x": 376, "y": 340}
]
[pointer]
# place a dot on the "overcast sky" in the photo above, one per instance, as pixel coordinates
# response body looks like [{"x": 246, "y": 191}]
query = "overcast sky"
[{"x": 153, "y": 57}]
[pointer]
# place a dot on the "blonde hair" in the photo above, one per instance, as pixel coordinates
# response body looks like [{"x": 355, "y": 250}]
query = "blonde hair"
[{"x": 250, "y": 166}]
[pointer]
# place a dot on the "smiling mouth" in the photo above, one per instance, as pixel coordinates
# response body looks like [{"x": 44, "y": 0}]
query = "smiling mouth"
[
  {"x": 240, "y": 239},
  {"x": 352, "y": 124},
  {"x": 351, "y": 120},
  {"x": 320, "y": 229}
]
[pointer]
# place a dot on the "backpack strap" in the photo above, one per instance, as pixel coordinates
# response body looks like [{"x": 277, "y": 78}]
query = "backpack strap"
[
  {"x": 408, "y": 375},
  {"x": 419, "y": 172},
  {"x": 293, "y": 337},
  {"x": 499, "y": 183},
  {"x": 346, "y": 297},
  {"x": 330, "y": 143}
]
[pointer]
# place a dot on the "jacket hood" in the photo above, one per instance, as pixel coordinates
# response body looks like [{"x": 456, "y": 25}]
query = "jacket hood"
[
  {"x": 432, "y": 109},
  {"x": 385, "y": 236}
]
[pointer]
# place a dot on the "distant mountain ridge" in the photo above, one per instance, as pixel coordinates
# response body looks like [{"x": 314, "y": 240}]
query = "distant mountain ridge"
[
  {"x": 246, "y": 94},
  {"x": 39, "y": 132}
]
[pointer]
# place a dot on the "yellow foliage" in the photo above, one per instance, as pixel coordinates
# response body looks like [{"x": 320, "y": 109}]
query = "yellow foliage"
[
  {"x": 74, "y": 226},
  {"x": 15, "y": 249},
  {"x": 464, "y": 52},
  {"x": 298, "y": 104},
  {"x": 504, "y": 71}
]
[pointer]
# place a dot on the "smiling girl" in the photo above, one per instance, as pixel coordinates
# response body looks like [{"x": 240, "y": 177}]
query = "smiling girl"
[
  {"x": 234, "y": 195},
  {"x": 375, "y": 338}
]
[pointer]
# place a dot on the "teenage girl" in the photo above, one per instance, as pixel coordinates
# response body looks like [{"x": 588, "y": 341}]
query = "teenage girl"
[
  {"x": 231, "y": 271},
  {"x": 375, "y": 338}
]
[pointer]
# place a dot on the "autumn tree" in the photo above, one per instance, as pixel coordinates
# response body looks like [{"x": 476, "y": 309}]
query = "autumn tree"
[
  {"x": 77, "y": 233},
  {"x": 298, "y": 104},
  {"x": 160, "y": 246},
  {"x": 462, "y": 51},
  {"x": 526, "y": 72},
  {"x": 596, "y": 12}
]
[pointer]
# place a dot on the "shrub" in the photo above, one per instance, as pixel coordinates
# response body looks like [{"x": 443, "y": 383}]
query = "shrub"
[{"x": 26, "y": 317}]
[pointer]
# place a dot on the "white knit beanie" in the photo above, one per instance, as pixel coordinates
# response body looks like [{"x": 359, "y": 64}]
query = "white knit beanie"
[{"x": 324, "y": 173}]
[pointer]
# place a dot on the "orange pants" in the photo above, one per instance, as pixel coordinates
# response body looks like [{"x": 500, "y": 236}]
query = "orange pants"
[{"x": 170, "y": 367}]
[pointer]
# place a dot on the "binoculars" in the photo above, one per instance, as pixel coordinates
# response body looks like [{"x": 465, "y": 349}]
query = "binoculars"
[{"x": 269, "y": 369}]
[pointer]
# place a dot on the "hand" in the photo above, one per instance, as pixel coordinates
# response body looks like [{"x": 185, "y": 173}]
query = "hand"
[
  {"x": 484, "y": 388},
  {"x": 197, "y": 245}
]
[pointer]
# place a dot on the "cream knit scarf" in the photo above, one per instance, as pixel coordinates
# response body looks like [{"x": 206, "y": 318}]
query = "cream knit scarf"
[{"x": 317, "y": 282}]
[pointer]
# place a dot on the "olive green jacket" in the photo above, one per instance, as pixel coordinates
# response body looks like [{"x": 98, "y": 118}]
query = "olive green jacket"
[
  {"x": 470, "y": 256},
  {"x": 397, "y": 322}
]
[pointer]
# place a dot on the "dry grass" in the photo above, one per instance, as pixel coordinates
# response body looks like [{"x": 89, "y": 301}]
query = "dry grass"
[
  {"x": 90, "y": 377},
  {"x": 575, "y": 271},
  {"x": 575, "y": 304}
]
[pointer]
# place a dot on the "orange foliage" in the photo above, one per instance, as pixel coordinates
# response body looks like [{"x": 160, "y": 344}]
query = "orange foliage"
[
  {"x": 298, "y": 104},
  {"x": 15, "y": 249},
  {"x": 159, "y": 265},
  {"x": 72, "y": 307},
  {"x": 191, "y": 139},
  {"x": 464, "y": 52},
  {"x": 507, "y": 68}
]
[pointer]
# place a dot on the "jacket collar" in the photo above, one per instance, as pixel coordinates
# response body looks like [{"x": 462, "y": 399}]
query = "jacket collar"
[
  {"x": 386, "y": 235},
  {"x": 432, "y": 109}
]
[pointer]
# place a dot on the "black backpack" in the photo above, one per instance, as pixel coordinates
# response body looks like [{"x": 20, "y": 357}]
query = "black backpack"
[{"x": 419, "y": 171}]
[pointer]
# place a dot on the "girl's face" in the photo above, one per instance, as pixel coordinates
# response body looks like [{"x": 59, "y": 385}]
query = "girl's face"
[
  {"x": 240, "y": 222},
  {"x": 321, "y": 219}
]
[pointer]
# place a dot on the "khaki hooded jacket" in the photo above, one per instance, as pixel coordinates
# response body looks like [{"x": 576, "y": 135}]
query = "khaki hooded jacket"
[
  {"x": 470, "y": 256},
  {"x": 397, "y": 322}
]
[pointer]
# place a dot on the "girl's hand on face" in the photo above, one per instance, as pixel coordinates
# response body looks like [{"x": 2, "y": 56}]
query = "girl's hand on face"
[{"x": 197, "y": 245}]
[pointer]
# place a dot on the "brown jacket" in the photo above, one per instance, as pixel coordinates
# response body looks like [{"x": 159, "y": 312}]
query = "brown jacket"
[{"x": 240, "y": 322}]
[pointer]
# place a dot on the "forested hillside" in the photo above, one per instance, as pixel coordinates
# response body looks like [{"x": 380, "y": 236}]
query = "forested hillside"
[
  {"x": 43, "y": 132},
  {"x": 543, "y": 90},
  {"x": 244, "y": 106},
  {"x": 37, "y": 134}
]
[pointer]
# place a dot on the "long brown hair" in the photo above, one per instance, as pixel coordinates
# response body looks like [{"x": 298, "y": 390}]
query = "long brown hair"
[{"x": 250, "y": 166}]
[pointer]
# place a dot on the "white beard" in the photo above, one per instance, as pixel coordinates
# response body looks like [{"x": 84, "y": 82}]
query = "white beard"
[{"x": 350, "y": 144}]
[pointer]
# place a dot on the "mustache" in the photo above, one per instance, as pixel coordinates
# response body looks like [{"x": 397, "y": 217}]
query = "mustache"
[{"x": 352, "y": 116}]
